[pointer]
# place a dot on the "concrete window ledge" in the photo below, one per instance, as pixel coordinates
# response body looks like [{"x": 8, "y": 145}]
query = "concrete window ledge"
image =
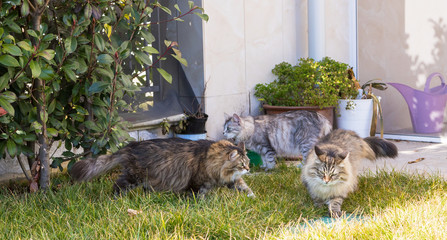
[{"x": 144, "y": 127}]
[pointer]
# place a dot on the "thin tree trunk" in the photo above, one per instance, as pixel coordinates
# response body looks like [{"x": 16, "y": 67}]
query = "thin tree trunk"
[{"x": 39, "y": 86}]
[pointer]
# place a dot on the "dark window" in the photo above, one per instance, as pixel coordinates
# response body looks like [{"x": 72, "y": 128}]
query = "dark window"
[{"x": 158, "y": 99}]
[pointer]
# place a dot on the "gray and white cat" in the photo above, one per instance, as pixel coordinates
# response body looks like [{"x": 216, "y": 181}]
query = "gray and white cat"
[
  {"x": 330, "y": 172},
  {"x": 288, "y": 134}
]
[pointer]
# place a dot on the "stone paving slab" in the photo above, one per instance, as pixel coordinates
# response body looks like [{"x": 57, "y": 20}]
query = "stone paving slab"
[{"x": 414, "y": 157}]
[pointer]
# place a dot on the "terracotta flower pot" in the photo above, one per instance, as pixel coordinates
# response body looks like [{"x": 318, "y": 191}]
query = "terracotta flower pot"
[{"x": 328, "y": 112}]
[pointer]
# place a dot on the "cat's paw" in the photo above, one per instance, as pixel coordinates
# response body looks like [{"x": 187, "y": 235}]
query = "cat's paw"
[
  {"x": 268, "y": 166},
  {"x": 336, "y": 214},
  {"x": 251, "y": 195}
]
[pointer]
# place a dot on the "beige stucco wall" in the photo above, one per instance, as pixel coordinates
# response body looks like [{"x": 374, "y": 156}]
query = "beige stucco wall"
[
  {"x": 401, "y": 41},
  {"x": 243, "y": 40},
  {"x": 337, "y": 30},
  {"x": 398, "y": 41}
]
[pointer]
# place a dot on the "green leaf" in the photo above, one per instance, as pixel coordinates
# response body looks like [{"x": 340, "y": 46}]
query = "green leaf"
[
  {"x": 7, "y": 106},
  {"x": 99, "y": 42},
  {"x": 47, "y": 74},
  {"x": 68, "y": 154},
  {"x": 67, "y": 20},
  {"x": 48, "y": 54},
  {"x": 48, "y": 37},
  {"x": 191, "y": 4},
  {"x": 165, "y": 75},
  {"x": 11, "y": 147},
  {"x": 180, "y": 59},
  {"x": 52, "y": 106},
  {"x": 97, "y": 87},
  {"x": 165, "y": 9},
  {"x": 32, "y": 33},
  {"x": 68, "y": 145},
  {"x": 91, "y": 125},
  {"x": 150, "y": 50},
  {"x": 105, "y": 59},
  {"x": 30, "y": 137},
  {"x": 59, "y": 54},
  {"x": 98, "y": 102},
  {"x": 14, "y": 27},
  {"x": 81, "y": 110},
  {"x": 168, "y": 43},
  {"x": 143, "y": 57},
  {"x": 202, "y": 16},
  {"x": 9, "y": 61},
  {"x": 69, "y": 73},
  {"x": 35, "y": 69},
  {"x": 70, "y": 44},
  {"x": 25, "y": 46},
  {"x": 4, "y": 136},
  {"x": 57, "y": 163},
  {"x": 52, "y": 132},
  {"x": 123, "y": 46},
  {"x": 4, "y": 80},
  {"x": 88, "y": 10},
  {"x": 147, "y": 36},
  {"x": 178, "y": 9},
  {"x": 12, "y": 49},
  {"x": 17, "y": 138},
  {"x": 44, "y": 116},
  {"x": 104, "y": 73},
  {"x": 8, "y": 96},
  {"x": 36, "y": 126}
]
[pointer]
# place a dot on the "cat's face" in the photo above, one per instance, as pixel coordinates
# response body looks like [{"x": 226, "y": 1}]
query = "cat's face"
[
  {"x": 330, "y": 166},
  {"x": 232, "y": 127},
  {"x": 236, "y": 166}
]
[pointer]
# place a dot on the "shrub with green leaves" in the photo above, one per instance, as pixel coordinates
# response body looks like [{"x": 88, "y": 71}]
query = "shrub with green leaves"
[
  {"x": 63, "y": 75},
  {"x": 309, "y": 83}
]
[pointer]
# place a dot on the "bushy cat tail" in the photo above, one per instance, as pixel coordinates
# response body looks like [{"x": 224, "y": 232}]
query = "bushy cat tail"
[
  {"x": 89, "y": 168},
  {"x": 326, "y": 126},
  {"x": 382, "y": 147}
]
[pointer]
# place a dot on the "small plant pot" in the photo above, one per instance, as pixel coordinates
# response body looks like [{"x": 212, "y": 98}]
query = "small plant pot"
[
  {"x": 193, "y": 137},
  {"x": 357, "y": 117},
  {"x": 196, "y": 125}
]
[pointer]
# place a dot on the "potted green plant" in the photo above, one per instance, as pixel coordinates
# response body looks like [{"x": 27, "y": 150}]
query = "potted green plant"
[
  {"x": 308, "y": 85},
  {"x": 360, "y": 112},
  {"x": 192, "y": 126}
]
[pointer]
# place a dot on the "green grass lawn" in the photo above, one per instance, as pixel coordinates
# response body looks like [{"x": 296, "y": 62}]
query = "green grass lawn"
[{"x": 389, "y": 206}]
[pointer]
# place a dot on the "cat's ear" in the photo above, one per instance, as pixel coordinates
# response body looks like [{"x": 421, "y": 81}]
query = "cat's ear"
[
  {"x": 318, "y": 151},
  {"x": 233, "y": 155},
  {"x": 236, "y": 118},
  {"x": 241, "y": 145},
  {"x": 343, "y": 155},
  {"x": 227, "y": 116}
]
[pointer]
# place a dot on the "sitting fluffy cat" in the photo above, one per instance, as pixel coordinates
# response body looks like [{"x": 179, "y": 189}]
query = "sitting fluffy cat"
[
  {"x": 330, "y": 172},
  {"x": 286, "y": 134}
]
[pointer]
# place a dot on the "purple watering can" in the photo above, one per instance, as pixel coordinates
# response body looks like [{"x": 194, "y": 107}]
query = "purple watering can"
[{"x": 426, "y": 107}]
